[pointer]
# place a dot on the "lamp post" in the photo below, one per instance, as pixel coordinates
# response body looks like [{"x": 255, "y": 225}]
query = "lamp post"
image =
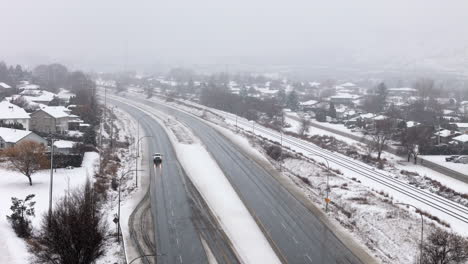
[
  {"x": 136, "y": 159},
  {"x": 422, "y": 230},
  {"x": 327, "y": 199},
  {"x": 281, "y": 141},
  {"x": 51, "y": 175}
]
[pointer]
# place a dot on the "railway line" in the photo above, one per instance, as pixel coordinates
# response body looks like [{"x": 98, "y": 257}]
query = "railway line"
[{"x": 442, "y": 204}]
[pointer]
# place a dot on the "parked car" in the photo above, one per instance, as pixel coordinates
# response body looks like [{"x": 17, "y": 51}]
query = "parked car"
[
  {"x": 157, "y": 158},
  {"x": 452, "y": 158},
  {"x": 462, "y": 159}
]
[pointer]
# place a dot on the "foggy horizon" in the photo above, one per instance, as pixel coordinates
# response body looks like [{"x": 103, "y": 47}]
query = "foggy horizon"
[{"x": 120, "y": 35}]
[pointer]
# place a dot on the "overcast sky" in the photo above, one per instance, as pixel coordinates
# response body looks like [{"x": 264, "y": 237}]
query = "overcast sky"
[{"x": 101, "y": 33}]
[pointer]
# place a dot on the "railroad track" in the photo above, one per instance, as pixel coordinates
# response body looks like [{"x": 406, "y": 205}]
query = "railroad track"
[{"x": 442, "y": 204}]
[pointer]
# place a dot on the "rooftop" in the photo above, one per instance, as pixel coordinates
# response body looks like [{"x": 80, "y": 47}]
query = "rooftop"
[
  {"x": 11, "y": 135},
  {"x": 56, "y": 111},
  {"x": 11, "y": 111},
  {"x": 462, "y": 138},
  {"x": 4, "y": 85}
]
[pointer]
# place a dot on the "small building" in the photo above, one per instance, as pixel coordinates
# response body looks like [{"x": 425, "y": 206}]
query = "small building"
[
  {"x": 444, "y": 136},
  {"x": 64, "y": 146},
  {"x": 462, "y": 140},
  {"x": 38, "y": 96},
  {"x": 346, "y": 99},
  {"x": 403, "y": 92},
  {"x": 461, "y": 127},
  {"x": 9, "y": 137},
  {"x": 51, "y": 119},
  {"x": 12, "y": 114}
]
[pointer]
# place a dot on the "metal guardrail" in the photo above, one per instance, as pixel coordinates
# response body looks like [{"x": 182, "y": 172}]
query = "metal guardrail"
[{"x": 444, "y": 170}]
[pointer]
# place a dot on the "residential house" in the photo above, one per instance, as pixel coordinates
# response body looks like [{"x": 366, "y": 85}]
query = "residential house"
[
  {"x": 51, "y": 119},
  {"x": 461, "y": 127},
  {"x": 462, "y": 140},
  {"x": 9, "y": 137},
  {"x": 64, "y": 146},
  {"x": 38, "y": 96},
  {"x": 308, "y": 105},
  {"x": 403, "y": 92},
  {"x": 345, "y": 99},
  {"x": 13, "y": 114},
  {"x": 444, "y": 136}
]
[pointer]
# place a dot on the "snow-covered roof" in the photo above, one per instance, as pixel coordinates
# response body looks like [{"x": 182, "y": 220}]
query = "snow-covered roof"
[
  {"x": 368, "y": 115},
  {"x": 348, "y": 84},
  {"x": 12, "y": 135},
  {"x": 463, "y": 138},
  {"x": 345, "y": 96},
  {"x": 64, "y": 94},
  {"x": 28, "y": 86},
  {"x": 411, "y": 124},
  {"x": 11, "y": 111},
  {"x": 38, "y": 96},
  {"x": 4, "y": 85},
  {"x": 380, "y": 117},
  {"x": 308, "y": 103},
  {"x": 64, "y": 144},
  {"x": 56, "y": 111},
  {"x": 461, "y": 125},
  {"x": 446, "y": 133},
  {"x": 402, "y": 89},
  {"x": 314, "y": 84}
]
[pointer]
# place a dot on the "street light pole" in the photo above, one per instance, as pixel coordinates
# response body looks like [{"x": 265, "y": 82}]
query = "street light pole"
[
  {"x": 327, "y": 199},
  {"x": 51, "y": 176},
  {"x": 281, "y": 143},
  {"x": 136, "y": 159},
  {"x": 422, "y": 230}
]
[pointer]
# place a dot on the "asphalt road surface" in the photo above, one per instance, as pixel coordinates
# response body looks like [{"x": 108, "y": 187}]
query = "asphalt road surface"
[
  {"x": 299, "y": 235},
  {"x": 179, "y": 213}
]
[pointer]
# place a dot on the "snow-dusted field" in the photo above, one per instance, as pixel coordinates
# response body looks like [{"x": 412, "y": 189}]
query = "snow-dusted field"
[{"x": 13, "y": 184}]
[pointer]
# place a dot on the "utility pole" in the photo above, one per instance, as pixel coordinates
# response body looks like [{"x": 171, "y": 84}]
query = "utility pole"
[
  {"x": 281, "y": 141},
  {"x": 51, "y": 176}
]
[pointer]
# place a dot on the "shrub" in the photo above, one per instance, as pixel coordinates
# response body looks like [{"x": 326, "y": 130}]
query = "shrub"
[{"x": 19, "y": 219}]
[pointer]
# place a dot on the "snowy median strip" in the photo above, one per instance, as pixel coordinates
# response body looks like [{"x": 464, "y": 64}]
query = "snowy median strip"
[{"x": 236, "y": 221}]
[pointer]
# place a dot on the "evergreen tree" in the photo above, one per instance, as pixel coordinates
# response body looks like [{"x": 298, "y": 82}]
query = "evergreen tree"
[
  {"x": 292, "y": 101},
  {"x": 332, "y": 110}
]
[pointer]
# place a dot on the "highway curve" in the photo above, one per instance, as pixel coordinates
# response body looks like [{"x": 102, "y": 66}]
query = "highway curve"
[
  {"x": 298, "y": 235},
  {"x": 179, "y": 213}
]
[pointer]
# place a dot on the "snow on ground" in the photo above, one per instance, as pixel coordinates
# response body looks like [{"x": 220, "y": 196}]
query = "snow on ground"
[
  {"x": 391, "y": 233},
  {"x": 239, "y": 225},
  {"x": 440, "y": 159},
  {"x": 456, "y": 224},
  {"x": 13, "y": 184}
]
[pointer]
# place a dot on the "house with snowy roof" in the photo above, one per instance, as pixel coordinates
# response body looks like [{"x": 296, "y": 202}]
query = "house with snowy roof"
[
  {"x": 9, "y": 137},
  {"x": 11, "y": 114},
  {"x": 462, "y": 140},
  {"x": 51, "y": 119}
]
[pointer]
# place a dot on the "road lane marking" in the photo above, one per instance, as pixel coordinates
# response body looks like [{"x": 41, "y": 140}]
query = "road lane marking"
[
  {"x": 295, "y": 240},
  {"x": 180, "y": 259},
  {"x": 307, "y": 256}
]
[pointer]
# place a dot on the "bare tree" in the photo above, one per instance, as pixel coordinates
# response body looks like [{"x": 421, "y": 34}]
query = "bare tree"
[
  {"x": 378, "y": 139},
  {"x": 27, "y": 157},
  {"x": 74, "y": 233},
  {"x": 443, "y": 247}
]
